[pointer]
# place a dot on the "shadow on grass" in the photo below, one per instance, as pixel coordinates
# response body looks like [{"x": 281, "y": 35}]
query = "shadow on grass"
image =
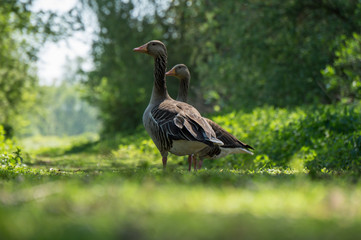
[{"x": 85, "y": 147}]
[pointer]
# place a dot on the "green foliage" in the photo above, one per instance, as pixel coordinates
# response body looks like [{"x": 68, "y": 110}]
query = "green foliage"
[
  {"x": 315, "y": 137},
  {"x": 10, "y": 156},
  {"x": 343, "y": 77},
  {"x": 22, "y": 34},
  {"x": 17, "y": 78},
  {"x": 11, "y": 160},
  {"x": 272, "y": 56},
  {"x": 118, "y": 84}
]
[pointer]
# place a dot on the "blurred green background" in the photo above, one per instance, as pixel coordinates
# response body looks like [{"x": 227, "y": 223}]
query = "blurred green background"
[{"x": 283, "y": 76}]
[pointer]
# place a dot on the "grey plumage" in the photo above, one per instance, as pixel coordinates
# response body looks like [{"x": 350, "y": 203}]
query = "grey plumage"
[
  {"x": 174, "y": 126},
  {"x": 230, "y": 143}
]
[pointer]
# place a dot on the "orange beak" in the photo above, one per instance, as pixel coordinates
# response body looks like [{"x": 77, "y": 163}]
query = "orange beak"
[
  {"x": 171, "y": 72},
  {"x": 142, "y": 49}
]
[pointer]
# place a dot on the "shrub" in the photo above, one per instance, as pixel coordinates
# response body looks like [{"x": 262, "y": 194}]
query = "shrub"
[
  {"x": 315, "y": 137},
  {"x": 10, "y": 156}
]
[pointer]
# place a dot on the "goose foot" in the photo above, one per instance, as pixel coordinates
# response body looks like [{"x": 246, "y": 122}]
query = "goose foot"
[{"x": 164, "y": 160}]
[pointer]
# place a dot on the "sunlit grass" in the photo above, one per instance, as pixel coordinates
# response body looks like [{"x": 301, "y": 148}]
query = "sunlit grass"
[
  {"x": 41, "y": 143},
  {"x": 151, "y": 203}
]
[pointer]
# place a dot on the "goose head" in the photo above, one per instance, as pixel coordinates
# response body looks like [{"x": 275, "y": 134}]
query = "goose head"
[
  {"x": 179, "y": 71},
  {"x": 154, "y": 48}
]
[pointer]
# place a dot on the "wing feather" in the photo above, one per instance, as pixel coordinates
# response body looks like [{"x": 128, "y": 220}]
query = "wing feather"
[
  {"x": 228, "y": 139},
  {"x": 181, "y": 121}
]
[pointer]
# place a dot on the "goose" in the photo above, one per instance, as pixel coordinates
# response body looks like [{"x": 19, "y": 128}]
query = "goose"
[
  {"x": 174, "y": 126},
  {"x": 231, "y": 144}
]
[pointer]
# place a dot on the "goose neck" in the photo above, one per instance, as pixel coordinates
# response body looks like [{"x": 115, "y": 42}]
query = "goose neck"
[
  {"x": 183, "y": 89},
  {"x": 159, "y": 88}
]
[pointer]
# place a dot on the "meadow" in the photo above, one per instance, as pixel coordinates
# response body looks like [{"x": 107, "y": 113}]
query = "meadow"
[
  {"x": 302, "y": 182},
  {"x": 76, "y": 163}
]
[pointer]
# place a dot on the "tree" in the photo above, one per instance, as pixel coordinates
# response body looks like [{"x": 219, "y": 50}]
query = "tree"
[
  {"x": 17, "y": 76},
  {"x": 118, "y": 84},
  {"x": 22, "y": 33},
  {"x": 241, "y": 54},
  {"x": 343, "y": 76},
  {"x": 250, "y": 53}
]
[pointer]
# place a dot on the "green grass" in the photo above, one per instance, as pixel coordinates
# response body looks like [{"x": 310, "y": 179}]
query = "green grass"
[
  {"x": 302, "y": 183},
  {"x": 147, "y": 203},
  {"x": 84, "y": 196}
]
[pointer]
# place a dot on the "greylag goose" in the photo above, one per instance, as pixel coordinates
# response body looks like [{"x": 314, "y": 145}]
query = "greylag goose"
[
  {"x": 174, "y": 126},
  {"x": 231, "y": 144}
]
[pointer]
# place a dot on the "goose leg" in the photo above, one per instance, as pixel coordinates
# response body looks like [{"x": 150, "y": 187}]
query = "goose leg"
[
  {"x": 195, "y": 162},
  {"x": 190, "y": 157},
  {"x": 200, "y": 162},
  {"x": 164, "y": 160}
]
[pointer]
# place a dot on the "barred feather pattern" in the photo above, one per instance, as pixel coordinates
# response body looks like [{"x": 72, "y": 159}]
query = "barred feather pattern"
[
  {"x": 165, "y": 130},
  {"x": 159, "y": 136},
  {"x": 160, "y": 65}
]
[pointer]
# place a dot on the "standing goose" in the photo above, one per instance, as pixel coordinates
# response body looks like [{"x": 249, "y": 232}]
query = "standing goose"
[
  {"x": 174, "y": 126},
  {"x": 231, "y": 144}
]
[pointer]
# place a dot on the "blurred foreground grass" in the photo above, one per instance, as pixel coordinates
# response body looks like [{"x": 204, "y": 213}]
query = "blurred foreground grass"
[
  {"x": 85, "y": 196},
  {"x": 302, "y": 183},
  {"x": 151, "y": 204}
]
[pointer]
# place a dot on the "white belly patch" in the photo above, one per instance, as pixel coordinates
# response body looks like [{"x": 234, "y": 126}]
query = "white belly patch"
[{"x": 183, "y": 147}]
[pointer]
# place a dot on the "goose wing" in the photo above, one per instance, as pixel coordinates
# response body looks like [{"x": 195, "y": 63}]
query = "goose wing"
[
  {"x": 181, "y": 121},
  {"x": 228, "y": 139}
]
